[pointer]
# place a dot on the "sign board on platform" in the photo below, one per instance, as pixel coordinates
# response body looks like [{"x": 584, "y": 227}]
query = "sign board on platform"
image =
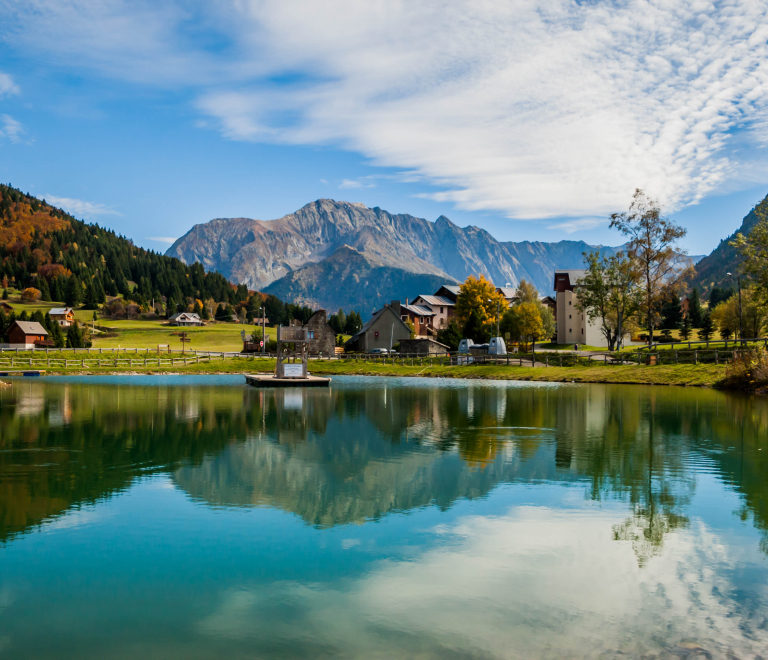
[{"x": 293, "y": 370}]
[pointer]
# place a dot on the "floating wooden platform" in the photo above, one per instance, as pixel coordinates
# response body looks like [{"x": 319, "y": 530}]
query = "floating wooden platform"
[
  {"x": 268, "y": 380},
  {"x": 26, "y": 372}
]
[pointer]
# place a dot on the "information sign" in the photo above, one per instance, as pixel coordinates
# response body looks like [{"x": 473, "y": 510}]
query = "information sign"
[{"x": 293, "y": 370}]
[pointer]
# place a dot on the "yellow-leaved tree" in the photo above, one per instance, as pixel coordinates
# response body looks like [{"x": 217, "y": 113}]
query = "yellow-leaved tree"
[{"x": 479, "y": 295}]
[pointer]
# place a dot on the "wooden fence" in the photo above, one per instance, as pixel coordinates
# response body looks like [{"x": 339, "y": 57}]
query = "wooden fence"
[{"x": 133, "y": 357}]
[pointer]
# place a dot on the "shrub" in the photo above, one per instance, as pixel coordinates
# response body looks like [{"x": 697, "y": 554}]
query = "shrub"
[
  {"x": 748, "y": 371},
  {"x": 30, "y": 295}
]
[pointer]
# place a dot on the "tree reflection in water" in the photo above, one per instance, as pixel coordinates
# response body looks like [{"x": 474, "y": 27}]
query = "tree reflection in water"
[{"x": 368, "y": 447}]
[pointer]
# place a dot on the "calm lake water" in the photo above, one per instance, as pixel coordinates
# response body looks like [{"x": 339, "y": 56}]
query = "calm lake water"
[{"x": 194, "y": 517}]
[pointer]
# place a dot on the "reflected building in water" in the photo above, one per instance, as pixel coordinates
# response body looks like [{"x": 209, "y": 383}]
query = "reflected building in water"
[{"x": 355, "y": 453}]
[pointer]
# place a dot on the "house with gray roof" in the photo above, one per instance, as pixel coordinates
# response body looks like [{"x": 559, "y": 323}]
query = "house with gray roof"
[{"x": 385, "y": 329}]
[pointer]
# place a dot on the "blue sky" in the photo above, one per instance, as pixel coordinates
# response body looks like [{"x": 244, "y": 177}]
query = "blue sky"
[{"x": 532, "y": 120}]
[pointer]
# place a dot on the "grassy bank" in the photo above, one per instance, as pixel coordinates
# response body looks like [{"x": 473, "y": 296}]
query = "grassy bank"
[{"x": 706, "y": 375}]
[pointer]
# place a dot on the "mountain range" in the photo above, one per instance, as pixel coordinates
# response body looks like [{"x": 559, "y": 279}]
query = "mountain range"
[{"x": 335, "y": 254}]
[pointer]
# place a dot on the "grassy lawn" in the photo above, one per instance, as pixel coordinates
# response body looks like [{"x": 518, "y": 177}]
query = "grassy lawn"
[
  {"x": 568, "y": 347},
  {"x": 148, "y": 334},
  {"x": 706, "y": 375}
]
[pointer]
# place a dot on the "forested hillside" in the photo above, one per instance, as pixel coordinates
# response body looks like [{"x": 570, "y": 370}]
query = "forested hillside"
[
  {"x": 46, "y": 248},
  {"x": 712, "y": 270}
]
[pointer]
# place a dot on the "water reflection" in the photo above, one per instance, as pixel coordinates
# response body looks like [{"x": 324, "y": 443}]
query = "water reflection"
[
  {"x": 357, "y": 453},
  {"x": 427, "y": 519}
]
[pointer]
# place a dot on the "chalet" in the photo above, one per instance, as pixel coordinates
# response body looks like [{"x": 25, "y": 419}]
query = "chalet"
[
  {"x": 442, "y": 309},
  {"x": 420, "y": 315},
  {"x": 5, "y": 307},
  {"x": 185, "y": 319},
  {"x": 450, "y": 291},
  {"x": 385, "y": 329},
  {"x": 509, "y": 293},
  {"x": 27, "y": 334},
  {"x": 64, "y": 316}
]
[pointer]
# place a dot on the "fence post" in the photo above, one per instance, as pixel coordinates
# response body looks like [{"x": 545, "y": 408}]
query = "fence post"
[
  {"x": 717, "y": 361},
  {"x": 696, "y": 357}
]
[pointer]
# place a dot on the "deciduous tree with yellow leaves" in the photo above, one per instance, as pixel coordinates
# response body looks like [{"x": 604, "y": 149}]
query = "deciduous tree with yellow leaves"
[{"x": 479, "y": 295}]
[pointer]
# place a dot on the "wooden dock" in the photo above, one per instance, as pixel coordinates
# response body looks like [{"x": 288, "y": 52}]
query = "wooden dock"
[
  {"x": 269, "y": 380},
  {"x": 33, "y": 373}
]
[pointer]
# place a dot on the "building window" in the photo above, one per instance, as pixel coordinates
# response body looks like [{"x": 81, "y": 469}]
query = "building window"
[
  {"x": 569, "y": 316},
  {"x": 570, "y": 329},
  {"x": 421, "y": 319},
  {"x": 569, "y": 302},
  {"x": 441, "y": 310}
]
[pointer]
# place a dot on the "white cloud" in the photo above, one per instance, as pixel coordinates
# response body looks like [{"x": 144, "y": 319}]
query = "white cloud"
[
  {"x": 10, "y": 128},
  {"x": 535, "y": 582},
  {"x": 78, "y": 207},
  {"x": 533, "y": 109},
  {"x": 557, "y": 109},
  {"x": 7, "y": 86},
  {"x": 572, "y": 226},
  {"x": 362, "y": 182},
  {"x": 162, "y": 239}
]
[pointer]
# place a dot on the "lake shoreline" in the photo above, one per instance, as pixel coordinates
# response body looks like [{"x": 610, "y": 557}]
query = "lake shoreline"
[{"x": 679, "y": 375}]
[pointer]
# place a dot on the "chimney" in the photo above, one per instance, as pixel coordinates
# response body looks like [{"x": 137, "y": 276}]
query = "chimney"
[{"x": 395, "y": 305}]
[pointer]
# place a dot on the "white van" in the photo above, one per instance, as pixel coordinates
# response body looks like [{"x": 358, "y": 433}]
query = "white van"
[{"x": 497, "y": 346}]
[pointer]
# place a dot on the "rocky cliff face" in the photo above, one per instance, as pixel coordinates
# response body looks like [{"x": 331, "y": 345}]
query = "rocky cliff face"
[
  {"x": 350, "y": 279},
  {"x": 258, "y": 253}
]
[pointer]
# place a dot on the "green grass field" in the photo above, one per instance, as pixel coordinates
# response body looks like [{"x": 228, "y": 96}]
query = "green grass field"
[{"x": 702, "y": 375}]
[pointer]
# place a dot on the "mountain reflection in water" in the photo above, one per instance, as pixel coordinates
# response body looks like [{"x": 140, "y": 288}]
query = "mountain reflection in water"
[
  {"x": 619, "y": 467},
  {"x": 351, "y": 454}
]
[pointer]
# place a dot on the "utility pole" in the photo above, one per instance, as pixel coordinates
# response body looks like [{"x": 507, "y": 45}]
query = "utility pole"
[
  {"x": 741, "y": 318},
  {"x": 498, "y": 309},
  {"x": 263, "y": 330}
]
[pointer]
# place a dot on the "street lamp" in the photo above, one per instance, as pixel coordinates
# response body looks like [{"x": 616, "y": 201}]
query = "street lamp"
[{"x": 741, "y": 322}]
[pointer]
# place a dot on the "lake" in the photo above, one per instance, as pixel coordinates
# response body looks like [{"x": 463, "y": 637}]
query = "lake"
[{"x": 194, "y": 517}]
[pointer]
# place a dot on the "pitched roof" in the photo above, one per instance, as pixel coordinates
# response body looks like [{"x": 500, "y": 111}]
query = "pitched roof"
[
  {"x": 190, "y": 315},
  {"x": 60, "y": 310},
  {"x": 437, "y": 300},
  {"x": 453, "y": 288},
  {"x": 419, "y": 310},
  {"x": 31, "y": 328},
  {"x": 375, "y": 316},
  {"x": 507, "y": 292},
  {"x": 574, "y": 274}
]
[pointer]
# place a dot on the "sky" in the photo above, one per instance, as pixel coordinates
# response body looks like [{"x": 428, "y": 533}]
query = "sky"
[{"x": 533, "y": 120}]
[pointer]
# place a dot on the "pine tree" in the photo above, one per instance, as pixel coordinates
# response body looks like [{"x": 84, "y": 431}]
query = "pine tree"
[
  {"x": 74, "y": 293},
  {"x": 74, "y": 336},
  {"x": 707, "y": 326},
  {"x": 686, "y": 328},
  {"x": 694, "y": 310},
  {"x": 45, "y": 292},
  {"x": 5, "y": 294}
]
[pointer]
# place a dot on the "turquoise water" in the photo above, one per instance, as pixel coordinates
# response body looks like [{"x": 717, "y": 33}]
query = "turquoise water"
[{"x": 194, "y": 517}]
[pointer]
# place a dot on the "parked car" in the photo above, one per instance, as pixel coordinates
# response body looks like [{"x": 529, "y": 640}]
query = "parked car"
[{"x": 378, "y": 351}]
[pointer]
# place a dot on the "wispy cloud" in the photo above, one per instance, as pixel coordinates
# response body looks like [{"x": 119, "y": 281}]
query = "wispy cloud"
[
  {"x": 7, "y": 86},
  {"x": 10, "y": 128},
  {"x": 78, "y": 207},
  {"x": 572, "y": 226},
  {"x": 162, "y": 239},
  {"x": 362, "y": 182},
  {"x": 533, "y": 109}
]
